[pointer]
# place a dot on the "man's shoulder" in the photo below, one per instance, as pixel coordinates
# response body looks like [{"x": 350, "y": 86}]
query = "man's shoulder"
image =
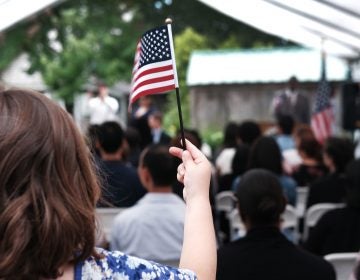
[
  {"x": 119, "y": 166},
  {"x": 234, "y": 248},
  {"x": 315, "y": 263},
  {"x": 129, "y": 215},
  {"x": 322, "y": 183}
]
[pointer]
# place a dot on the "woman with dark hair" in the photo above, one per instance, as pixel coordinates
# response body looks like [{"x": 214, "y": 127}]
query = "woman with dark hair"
[
  {"x": 338, "y": 231},
  {"x": 264, "y": 252},
  {"x": 337, "y": 153},
  {"x": 239, "y": 164},
  {"x": 311, "y": 166},
  {"x": 49, "y": 190},
  {"x": 225, "y": 156},
  {"x": 265, "y": 153},
  {"x": 248, "y": 132}
]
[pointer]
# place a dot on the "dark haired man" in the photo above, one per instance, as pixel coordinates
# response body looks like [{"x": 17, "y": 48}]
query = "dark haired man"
[
  {"x": 122, "y": 186},
  {"x": 154, "y": 227},
  {"x": 265, "y": 253},
  {"x": 285, "y": 124}
]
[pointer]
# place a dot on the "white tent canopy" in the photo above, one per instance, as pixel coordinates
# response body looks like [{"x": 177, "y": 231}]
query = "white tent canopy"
[
  {"x": 13, "y": 11},
  {"x": 329, "y": 24}
]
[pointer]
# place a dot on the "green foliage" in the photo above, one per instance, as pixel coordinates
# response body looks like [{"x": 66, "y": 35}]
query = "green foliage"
[
  {"x": 77, "y": 40},
  {"x": 11, "y": 47},
  {"x": 81, "y": 40},
  {"x": 185, "y": 43},
  {"x": 213, "y": 136},
  {"x": 230, "y": 43}
]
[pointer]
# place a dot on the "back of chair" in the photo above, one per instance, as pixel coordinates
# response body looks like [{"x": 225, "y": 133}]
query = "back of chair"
[
  {"x": 315, "y": 212},
  {"x": 343, "y": 263},
  {"x": 225, "y": 201},
  {"x": 301, "y": 199},
  {"x": 289, "y": 217},
  {"x": 290, "y": 222},
  {"x": 237, "y": 227},
  {"x": 106, "y": 218}
]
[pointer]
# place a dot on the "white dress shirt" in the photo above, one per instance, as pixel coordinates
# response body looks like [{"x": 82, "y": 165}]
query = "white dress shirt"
[
  {"x": 102, "y": 110},
  {"x": 153, "y": 229}
]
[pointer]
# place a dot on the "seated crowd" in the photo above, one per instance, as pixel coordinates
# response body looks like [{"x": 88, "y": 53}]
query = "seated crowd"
[
  {"x": 51, "y": 187},
  {"x": 253, "y": 164},
  {"x": 264, "y": 170}
]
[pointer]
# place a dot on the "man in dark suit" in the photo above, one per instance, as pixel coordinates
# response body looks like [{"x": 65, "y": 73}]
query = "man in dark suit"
[
  {"x": 292, "y": 102},
  {"x": 159, "y": 136},
  {"x": 265, "y": 253}
]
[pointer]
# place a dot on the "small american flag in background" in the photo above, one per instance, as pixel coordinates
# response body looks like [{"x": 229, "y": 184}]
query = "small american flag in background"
[
  {"x": 153, "y": 70},
  {"x": 323, "y": 117}
]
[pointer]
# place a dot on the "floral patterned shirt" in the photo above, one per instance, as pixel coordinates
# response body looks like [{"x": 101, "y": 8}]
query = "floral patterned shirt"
[{"x": 119, "y": 266}]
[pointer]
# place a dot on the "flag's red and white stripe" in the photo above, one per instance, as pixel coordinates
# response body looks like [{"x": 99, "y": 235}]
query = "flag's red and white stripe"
[
  {"x": 152, "y": 78},
  {"x": 322, "y": 124}
]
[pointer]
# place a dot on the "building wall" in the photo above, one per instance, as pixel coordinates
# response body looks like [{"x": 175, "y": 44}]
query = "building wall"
[{"x": 213, "y": 106}]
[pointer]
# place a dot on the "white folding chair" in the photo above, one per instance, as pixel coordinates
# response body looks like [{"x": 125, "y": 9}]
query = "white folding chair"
[
  {"x": 105, "y": 218},
  {"x": 343, "y": 264},
  {"x": 315, "y": 212},
  {"x": 237, "y": 228},
  {"x": 290, "y": 221},
  {"x": 301, "y": 199},
  {"x": 225, "y": 201}
]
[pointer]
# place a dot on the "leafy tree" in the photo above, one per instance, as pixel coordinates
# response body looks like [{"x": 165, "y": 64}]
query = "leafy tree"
[
  {"x": 77, "y": 40},
  {"x": 185, "y": 43}
]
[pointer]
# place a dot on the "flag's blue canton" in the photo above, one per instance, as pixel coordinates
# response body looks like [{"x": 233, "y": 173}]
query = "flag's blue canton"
[
  {"x": 155, "y": 46},
  {"x": 322, "y": 96}
]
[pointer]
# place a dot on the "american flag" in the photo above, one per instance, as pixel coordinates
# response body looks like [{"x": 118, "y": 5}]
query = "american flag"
[
  {"x": 154, "y": 66},
  {"x": 323, "y": 118}
]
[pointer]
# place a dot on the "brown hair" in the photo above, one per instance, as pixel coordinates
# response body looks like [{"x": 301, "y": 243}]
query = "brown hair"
[
  {"x": 307, "y": 143},
  {"x": 48, "y": 188}
]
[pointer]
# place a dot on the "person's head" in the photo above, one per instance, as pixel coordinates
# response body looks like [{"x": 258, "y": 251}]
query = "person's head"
[
  {"x": 286, "y": 124},
  {"x": 155, "y": 120},
  {"x": 260, "y": 199},
  {"x": 293, "y": 83},
  {"x": 230, "y": 135},
  {"x": 145, "y": 101},
  {"x": 338, "y": 152},
  {"x": 265, "y": 153},
  {"x": 111, "y": 138},
  {"x": 157, "y": 168},
  {"x": 240, "y": 161},
  {"x": 93, "y": 138},
  {"x": 133, "y": 137},
  {"x": 303, "y": 132},
  {"x": 103, "y": 90},
  {"x": 309, "y": 147},
  {"x": 353, "y": 184},
  {"x": 190, "y": 134},
  {"x": 48, "y": 190},
  {"x": 248, "y": 132}
]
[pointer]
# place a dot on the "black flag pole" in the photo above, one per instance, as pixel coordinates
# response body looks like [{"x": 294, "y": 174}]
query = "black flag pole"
[{"x": 168, "y": 22}]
